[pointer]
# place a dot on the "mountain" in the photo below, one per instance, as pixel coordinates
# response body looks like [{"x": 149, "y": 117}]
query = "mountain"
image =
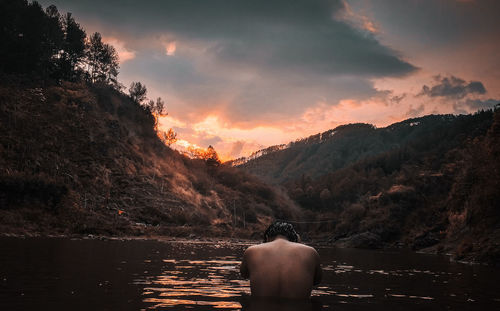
[
  {"x": 84, "y": 158},
  {"x": 334, "y": 149},
  {"x": 426, "y": 183},
  {"x": 77, "y": 155}
]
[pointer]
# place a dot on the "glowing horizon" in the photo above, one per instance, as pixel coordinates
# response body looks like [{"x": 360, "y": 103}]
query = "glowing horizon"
[{"x": 244, "y": 77}]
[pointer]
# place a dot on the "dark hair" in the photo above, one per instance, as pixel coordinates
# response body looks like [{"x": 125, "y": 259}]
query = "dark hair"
[{"x": 281, "y": 228}]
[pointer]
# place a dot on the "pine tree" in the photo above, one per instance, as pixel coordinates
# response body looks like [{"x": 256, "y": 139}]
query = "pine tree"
[
  {"x": 73, "y": 48},
  {"x": 102, "y": 61}
]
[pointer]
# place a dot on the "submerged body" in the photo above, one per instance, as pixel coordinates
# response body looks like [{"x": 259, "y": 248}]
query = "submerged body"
[{"x": 281, "y": 268}]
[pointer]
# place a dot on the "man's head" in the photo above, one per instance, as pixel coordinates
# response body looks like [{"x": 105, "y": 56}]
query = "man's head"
[{"x": 281, "y": 228}]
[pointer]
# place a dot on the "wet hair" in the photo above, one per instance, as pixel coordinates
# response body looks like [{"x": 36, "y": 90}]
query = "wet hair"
[{"x": 281, "y": 228}]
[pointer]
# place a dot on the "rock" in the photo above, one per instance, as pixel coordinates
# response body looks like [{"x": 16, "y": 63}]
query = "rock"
[{"x": 366, "y": 240}]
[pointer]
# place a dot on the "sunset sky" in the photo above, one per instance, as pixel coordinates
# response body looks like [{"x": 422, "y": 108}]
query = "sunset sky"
[{"x": 241, "y": 75}]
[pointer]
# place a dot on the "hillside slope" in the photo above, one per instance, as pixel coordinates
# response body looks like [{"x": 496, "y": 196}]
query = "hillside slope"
[
  {"x": 429, "y": 183},
  {"x": 76, "y": 158},
  {"x": 331, "y": 150}
]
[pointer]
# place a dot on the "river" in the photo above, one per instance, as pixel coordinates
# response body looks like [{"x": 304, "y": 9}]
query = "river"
[{"x": 93, "y": 274}]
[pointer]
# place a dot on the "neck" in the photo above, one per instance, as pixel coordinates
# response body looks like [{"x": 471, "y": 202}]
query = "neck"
[{"x": 278, "y": 237}]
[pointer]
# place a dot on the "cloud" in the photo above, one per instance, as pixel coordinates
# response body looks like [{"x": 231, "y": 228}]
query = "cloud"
[
  {"x": 415, "y": 112},
  {"x": 170, "y": 48},
  {"x": 436, "y": 24},
  {"x": 382, "y": 108},
  {"x": 477, "y": 104},
  {"x": 396, "y": 99},
  {"x": 209, "y": 140},
  {"x": 245, "y": 61},
  {"x": 452, "y": 87},
  {"x": 450, "y": 94},
  {"x": 236, "y": 148},
  {"x": 358, "y": 20},
  {"x": 303, "y": 35},
  {"x": 124, "y": 54}
]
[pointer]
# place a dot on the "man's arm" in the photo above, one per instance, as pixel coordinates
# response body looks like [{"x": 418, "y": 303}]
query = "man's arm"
[
  {"x": 245, "y": 273},
  {"x": 317, "y": 270}
]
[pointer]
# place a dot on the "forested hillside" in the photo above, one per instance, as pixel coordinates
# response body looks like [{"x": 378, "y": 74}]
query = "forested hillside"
[
  {"x": 430, "y": 182},
  {"x": 334, "y": 149}
]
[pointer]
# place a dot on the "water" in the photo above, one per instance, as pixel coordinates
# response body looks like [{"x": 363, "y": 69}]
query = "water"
[{"x": 64, "y": 274}]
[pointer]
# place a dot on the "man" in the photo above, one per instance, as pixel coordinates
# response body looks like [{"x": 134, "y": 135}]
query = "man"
[{"x": 281, "y": 267}]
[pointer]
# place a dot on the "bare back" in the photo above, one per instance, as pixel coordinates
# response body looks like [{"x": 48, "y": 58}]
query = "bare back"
[{"x": 281, "y": 269}]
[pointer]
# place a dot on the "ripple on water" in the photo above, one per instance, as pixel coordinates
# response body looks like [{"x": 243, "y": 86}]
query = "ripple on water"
[
  {"x": 216, "y": 284},
  {"x": 190, "y": 283}
]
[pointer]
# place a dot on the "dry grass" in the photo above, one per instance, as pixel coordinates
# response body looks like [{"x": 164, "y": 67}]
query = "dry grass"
[{"x": 85, "y": 159}]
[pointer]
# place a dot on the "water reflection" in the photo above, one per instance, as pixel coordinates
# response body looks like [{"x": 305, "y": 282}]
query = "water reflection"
[
  {"x": 207, "y": 282},
  {"x": 62, "y": 274},
  {"x": 213, "y": 284},
  {"x": 196, "y": 283}
]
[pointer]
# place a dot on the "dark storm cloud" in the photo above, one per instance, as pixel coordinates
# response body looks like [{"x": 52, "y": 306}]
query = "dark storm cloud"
[
  {"x": 292, "y": 36},
  {"x": 435, "y": 22},
  {"x": 267, "y": 97},
  {"x": 452, "y": 87}
]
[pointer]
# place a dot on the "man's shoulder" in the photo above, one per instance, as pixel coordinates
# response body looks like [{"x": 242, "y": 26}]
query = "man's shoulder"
[
  {"x": 253, "y": 248},
  {"x": 305, "y": 248},
  {"x": 288, "y": 245},
  {"x": 295, "y": 245}
]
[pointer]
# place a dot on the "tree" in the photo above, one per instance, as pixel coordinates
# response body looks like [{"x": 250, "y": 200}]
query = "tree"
[
  {"x": 29, "y": 36},
  {"x": 52, "y": 40},
  {"x": 137, "y": 92},
  {"x": 211, "y": 156},
  {"x": 157, "y": 109},
  {"x": 48, "y": 44},
  {"x": 169, "y": 137},
  {"x": 95, "y": 46},
  {"x": 73, "y": 48},
  {"x": 110, "y": 65},
  {"x": 102, "y": 61}
]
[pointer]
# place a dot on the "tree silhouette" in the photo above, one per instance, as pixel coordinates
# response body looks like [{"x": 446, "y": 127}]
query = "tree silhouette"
[
  {"x": 73, "y": 48},
  {"x": 157, "y": 109},
  {"x": 29, "y": 36},
  {"x": 137, "y": 92},
  {"x": 54, "y": 41},
  {"x": 102, "y": 61}
]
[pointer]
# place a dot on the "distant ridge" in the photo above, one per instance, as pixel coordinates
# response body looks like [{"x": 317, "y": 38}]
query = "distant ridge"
[
  {"x": 429, "y": 183},
  {"x": 328, "y": 151}
]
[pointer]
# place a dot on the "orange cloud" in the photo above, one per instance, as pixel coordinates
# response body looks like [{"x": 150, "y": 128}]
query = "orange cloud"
[
  {"x": 228, "y": 140},
  {"x": 369, "y": 25},
  {"x": 356, "y": 19},
  {"x": 170, "y": 48},
  {"x": 232, "y": 140},
  {"x": 124, "y": 54}
]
